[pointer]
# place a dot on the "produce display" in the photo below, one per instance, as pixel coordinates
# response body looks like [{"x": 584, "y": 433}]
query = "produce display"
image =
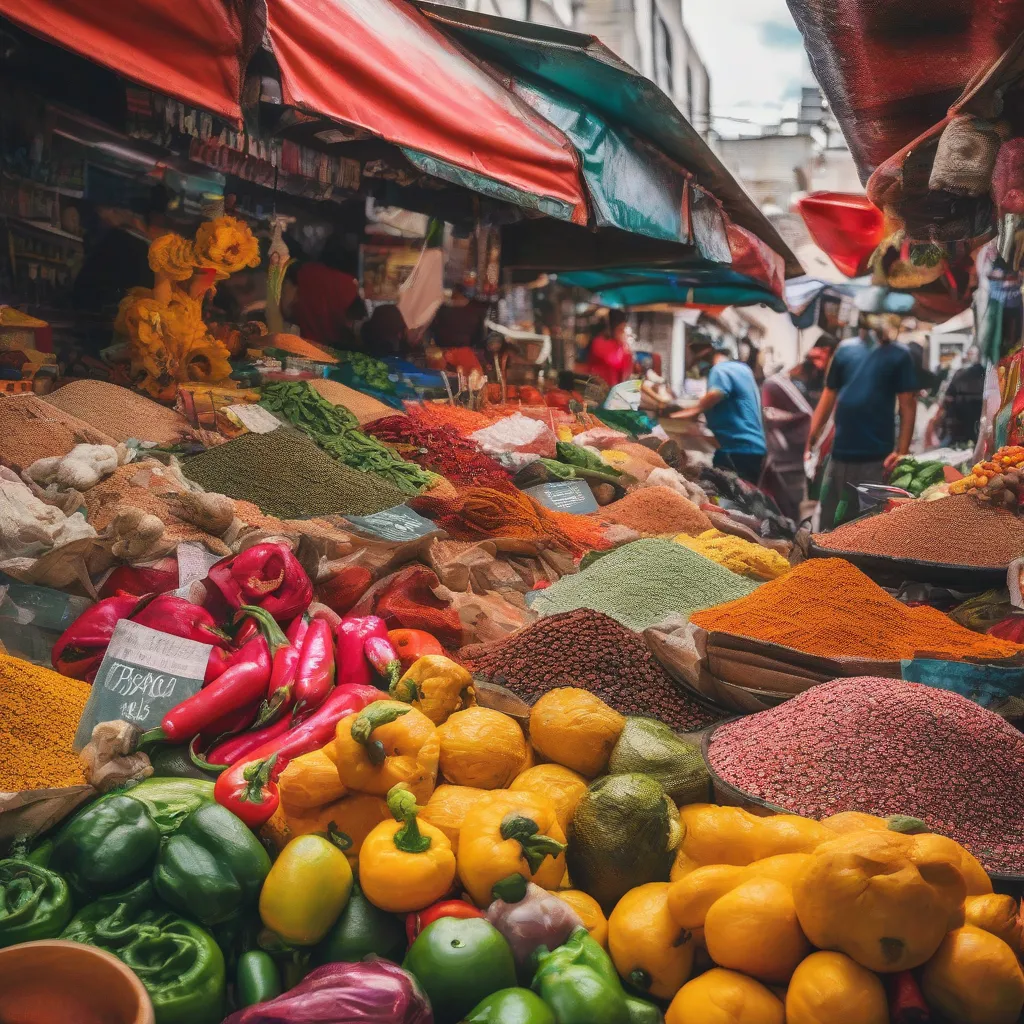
[
  {"x": 917, "y": 475},
  {"x": 438, "y": 763}
]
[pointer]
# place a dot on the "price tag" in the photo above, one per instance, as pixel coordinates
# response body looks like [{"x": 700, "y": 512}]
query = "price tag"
[
  {"x": 254, "y": 418},
  {"x": 565, "y": 496},
  {"x": 143, "y": 675},
  {"x": 398, "y": 524}
]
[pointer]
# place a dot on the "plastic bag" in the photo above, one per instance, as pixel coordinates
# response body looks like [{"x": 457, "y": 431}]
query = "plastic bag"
[{"x": 538, "y": 919}]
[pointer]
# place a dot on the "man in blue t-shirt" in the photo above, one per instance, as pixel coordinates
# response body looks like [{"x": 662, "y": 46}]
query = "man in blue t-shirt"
[
  {"x": 866, "y": 380},
  {"x": 732, "y": 408}
]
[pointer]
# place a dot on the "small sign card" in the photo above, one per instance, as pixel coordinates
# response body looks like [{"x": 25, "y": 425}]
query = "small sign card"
[
  {"x": 565, "y": 496},
  {"x": 143, "y": 675},
  {"x": 399, "y": 523},
  {"x": 194, "y": 564},
  {"x": 254, "y": 418}
]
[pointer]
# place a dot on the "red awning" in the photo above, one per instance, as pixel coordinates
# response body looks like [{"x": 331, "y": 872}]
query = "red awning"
[
  {"x": 847, "y": 227},
  {"x": 381, "y": 65},
  {"x": 188, "y": 49}
]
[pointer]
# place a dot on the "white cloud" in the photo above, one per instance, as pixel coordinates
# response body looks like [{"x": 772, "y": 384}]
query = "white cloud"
[{"x": 750, "y": 78}]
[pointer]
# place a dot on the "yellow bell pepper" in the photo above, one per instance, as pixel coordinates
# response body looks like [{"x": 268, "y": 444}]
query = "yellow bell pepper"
[
  {"x": 405, "y": 865},
  {"x": 437, "y": 686},
  {"x": 884, "y": 899},
  {"x": 386, "y": 744},
  {"x": 306, "y": 890},
  {"x": 590, "y": 913},
  {"x": 510, "y": 835},
  {"x": 447, "y": 808},
  {"x": 562, "y": 786},
  {"x": 311, "y": 781},
  {"x": 998, "y": 915},
  {"x": 356, "y": 815},
  {"x": 648, "y": 948}
]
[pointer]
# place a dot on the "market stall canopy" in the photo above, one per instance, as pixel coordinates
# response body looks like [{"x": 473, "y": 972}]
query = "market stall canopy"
[
  {"x": 382, "y": 66},
  {"x": 847, "y": 227},
  {"x": 638, "y": 151},
  {"x": 189, "y": 49},
  {"x": 891, "y": 70}
]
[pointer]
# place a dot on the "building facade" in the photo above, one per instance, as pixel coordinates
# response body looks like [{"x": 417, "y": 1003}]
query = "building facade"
[{"x": 557, "y": 13}]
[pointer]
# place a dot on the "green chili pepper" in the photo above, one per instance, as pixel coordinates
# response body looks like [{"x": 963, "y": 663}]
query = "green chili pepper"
[
  {"x": 35, "y": 903},
  {"x": 257, "y": 978},
  {"x": 179, "y": 963}
]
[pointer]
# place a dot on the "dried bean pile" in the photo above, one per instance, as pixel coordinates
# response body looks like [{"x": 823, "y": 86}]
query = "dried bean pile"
[
  {"x": 642, "y": 583},
  {"x": 656, "y": 510},
  {"x": 286, "y": 475},
  {"x": 957, "y": 530},
  {"x": 828, "y": 607},
  {"x": 886, "y": 747},
  {"x": 365, "y": 408},
  {"x": 32, "y": 429},
  {"x": 441, "y": 450},
  {"x": 119, "y": 412},
  {"x": 591, "y": 651}
]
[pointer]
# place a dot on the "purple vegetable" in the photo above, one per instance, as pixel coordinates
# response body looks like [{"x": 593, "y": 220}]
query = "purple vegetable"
[
  {"x": 538, "y": 919},
  {"x": 372, "y": 992}
]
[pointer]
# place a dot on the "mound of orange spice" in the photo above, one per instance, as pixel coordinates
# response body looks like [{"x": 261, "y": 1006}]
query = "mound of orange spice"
[{"x": 828, "y": 607}]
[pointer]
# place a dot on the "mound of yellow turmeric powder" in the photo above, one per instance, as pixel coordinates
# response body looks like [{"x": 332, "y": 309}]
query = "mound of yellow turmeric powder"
[
  {"x": 39, "y": 712},
  {"x": 740, "y": 556}
]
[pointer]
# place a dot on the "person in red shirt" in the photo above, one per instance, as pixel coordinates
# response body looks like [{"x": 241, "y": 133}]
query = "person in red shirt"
[{"x": 610, "y": 356}]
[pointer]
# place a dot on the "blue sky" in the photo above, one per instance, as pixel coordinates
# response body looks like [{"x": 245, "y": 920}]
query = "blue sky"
[{"x": 755, "y": 57}]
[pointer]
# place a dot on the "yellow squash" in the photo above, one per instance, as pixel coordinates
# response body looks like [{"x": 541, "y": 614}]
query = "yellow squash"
[
  {"x": 880, "y": 898},
  {"x": 447, "y": 808},
  {"x": 562, "y": 786},
  {"x": 403, "y": 865},
  {"x": 510, "y": 834},
  {"x": 306, "y": 890},
  {"x": 724, "y": 997},
  {"x": 935, "y": 847},
  {"x": 589, "y": 911},
  {"x": 754, "y": 929},
  {"x": 830, "y": 988},
  {"x": 311, "y": 781},
  {"x": 483, "y": 748},
  {"x": 650, "y": 951},
  {"x": 356, "y": 815},
  {"x": 437, "y": 686},
  {"x": 858, "y": 821},
  {"x": 387, "y": 744},
  {"x": 999, "y": 915},
  {"x": 974, "y": 978},
  {"x": 574, "y": 728}
]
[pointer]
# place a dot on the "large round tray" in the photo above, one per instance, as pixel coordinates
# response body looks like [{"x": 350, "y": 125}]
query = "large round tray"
[
  {"x": 888, "y": 571},
  {"x": 726, "y": 793}
]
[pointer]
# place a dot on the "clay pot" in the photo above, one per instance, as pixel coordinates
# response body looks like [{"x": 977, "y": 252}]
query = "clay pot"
[{"x": 53, "y": 980}]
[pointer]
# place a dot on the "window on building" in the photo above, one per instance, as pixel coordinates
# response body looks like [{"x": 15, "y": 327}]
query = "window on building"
[{"x": 662, "y": 54}]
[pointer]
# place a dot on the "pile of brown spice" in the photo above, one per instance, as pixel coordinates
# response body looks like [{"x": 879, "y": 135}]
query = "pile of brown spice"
[
  {"x": 39, "y": 713},
  {"x": 885, "y": 747},
  {"x": 365, "y": 408},
  {"x": 121, "y": 413},
  {"x": 593, "y": 652},
  {"x": 656, "y": 510},
  {"x": 32, "y": 429},
  {"x": 953, "y": 531},
  {"x": 828, "y": 607}
]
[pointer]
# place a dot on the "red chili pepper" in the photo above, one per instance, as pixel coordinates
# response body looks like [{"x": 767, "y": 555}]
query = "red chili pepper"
[
  {"x": 231, "y": 723},
  {"x": 382, "y": 656},
  {"x": 81, "y": 646},
  {"x": 236, "y": 747},
  {"x": 419, "y": 919},
  {"x": 322, "y": 611},
  {"x": 906, "y": 1004},
  {"x": 216, "y": 664},
  {"x": 247, "y": 630},
  {"x": 247, "y": 790},
  {"x": 352, "y": 634},
  {"x": 268, "y": 575},
  {"x": 154, "y": 579},
  {"x": 314, "y": 677},
  {"x": 178, "y": 617}
]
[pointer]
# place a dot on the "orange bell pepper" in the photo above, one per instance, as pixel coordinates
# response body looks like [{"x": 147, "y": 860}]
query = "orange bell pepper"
[{"x": 413, "y": 644}]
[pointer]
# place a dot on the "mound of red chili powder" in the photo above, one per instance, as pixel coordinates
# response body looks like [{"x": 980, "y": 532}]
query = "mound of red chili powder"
[
  {"x": 592, "y": 651},
  {"x": 885, "y": 747}
]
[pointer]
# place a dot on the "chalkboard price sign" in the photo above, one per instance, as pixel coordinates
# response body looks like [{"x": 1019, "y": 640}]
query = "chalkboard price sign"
[
  {"x": 144, "y": 674},
  {"x": 565, "y": 496}
]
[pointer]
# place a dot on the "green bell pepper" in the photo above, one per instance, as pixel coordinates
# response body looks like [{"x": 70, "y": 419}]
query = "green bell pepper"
[
  {"x": 257, "y": 979},
  {"x": 212, "y": 867},
  {"x": 35, "y": 903},
  {"x": 643, "y": 1012},
  {"x": 169, "y": 801},
  {"x": 582, "y": 951},
  {"x": 579, "y": 982},
  {"x": 106, "y": 846},
  {"x": 179, "y": 963},
  {"x": 361, "y": 929},
  {"x": 511, "y": 1006}
]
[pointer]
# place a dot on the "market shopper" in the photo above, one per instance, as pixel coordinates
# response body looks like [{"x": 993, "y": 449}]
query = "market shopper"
[
  {"x": 958, "y": 418},
  {"x": 732, "y": 408},
  {"x": 610, "y": 355},
  {"x": 865, "y": 382}
]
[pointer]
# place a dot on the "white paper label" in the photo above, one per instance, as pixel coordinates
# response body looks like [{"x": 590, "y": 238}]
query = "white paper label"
[{"x": 254, "y": 418}]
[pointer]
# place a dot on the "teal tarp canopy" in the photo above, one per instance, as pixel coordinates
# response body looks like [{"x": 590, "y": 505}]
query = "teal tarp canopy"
[{"x": 636, "y": 175}]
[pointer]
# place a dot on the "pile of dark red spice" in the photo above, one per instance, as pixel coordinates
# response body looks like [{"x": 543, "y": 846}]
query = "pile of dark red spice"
[
  {"x": 441, "y": 450},
  {"x": 886, "y": 747},
  {"x": 592, "y": 651}
]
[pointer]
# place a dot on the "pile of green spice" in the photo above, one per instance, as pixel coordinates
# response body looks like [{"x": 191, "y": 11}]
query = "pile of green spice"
[
  {"x": 337, "y": 432},
  {"x": 642, "y": 583},
  {"x": 286, "y": 475}
]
